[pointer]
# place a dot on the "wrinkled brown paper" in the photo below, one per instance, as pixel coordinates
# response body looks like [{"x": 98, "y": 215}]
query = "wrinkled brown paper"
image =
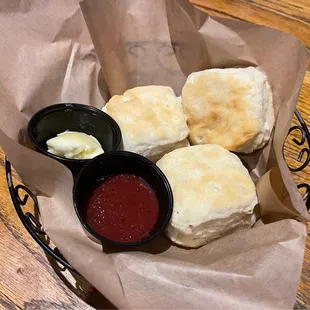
[{"x": 47, "y": 57}]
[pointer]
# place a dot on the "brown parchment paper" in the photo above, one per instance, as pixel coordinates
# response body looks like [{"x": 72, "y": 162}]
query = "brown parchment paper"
[{"x": 47, "y": 57}]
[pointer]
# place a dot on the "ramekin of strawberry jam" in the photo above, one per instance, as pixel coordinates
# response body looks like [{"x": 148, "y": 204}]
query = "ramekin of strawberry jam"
[{"x": 123, "y": 199}]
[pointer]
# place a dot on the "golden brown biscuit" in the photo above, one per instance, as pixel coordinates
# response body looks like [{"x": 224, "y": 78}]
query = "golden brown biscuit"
[
  {"x": 229, "y": 107},
  {"x": 151, "y": 119}
]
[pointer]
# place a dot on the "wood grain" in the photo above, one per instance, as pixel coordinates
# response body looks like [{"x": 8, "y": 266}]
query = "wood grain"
[
  {"x": 257, "y": 13},
  {"x": 291, "y": 16},
  {"x": 27, "y": 280},
  {"x": 31, "y": 280}
]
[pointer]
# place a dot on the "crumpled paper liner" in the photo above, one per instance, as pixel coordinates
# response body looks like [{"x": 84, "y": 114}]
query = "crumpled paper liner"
[{"x": 47, "y": 57}]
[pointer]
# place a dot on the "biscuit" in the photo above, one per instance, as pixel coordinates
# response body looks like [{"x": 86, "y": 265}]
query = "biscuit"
[
  {"x": 151, "y": 119},
  {"x": 229, "y": 107},
  {"x": 212, "y": 191}
]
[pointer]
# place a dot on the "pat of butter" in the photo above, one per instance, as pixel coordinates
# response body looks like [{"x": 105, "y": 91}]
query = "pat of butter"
[{"x": 74, "y": 145}]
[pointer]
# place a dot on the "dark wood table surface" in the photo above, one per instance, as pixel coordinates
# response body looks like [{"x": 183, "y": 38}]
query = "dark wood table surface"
[{"x": 29, "y": 279}]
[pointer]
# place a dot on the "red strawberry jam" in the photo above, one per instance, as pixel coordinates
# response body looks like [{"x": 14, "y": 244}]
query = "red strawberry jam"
[{"x": 123, "y": 208}]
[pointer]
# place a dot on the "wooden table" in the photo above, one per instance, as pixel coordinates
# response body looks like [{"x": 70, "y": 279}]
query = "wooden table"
[{"x": 31, "y": 280}]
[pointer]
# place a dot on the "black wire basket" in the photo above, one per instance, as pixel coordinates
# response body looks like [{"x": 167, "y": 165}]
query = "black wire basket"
[{"x": 20, "y": 193}]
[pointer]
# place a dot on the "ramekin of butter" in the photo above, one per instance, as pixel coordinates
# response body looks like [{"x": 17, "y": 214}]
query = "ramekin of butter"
[{"x": 74, "y": 133}]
